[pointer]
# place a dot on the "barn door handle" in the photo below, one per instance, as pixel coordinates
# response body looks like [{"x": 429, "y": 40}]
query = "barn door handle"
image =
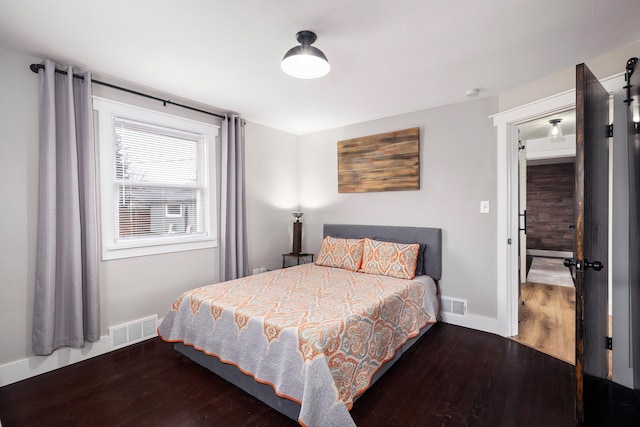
[
  {"x": 524, "y": 214},
  {"x": 596, "y": 265},
  {"x": 570, "y": 262},
  {"x": 572, "y": 226}
]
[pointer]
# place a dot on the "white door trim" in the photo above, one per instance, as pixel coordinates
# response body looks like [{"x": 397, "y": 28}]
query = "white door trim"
[{"x": 507, "y": 203}]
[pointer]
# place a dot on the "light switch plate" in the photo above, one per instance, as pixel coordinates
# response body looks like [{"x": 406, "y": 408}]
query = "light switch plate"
[{"x": 485, "y": 206}]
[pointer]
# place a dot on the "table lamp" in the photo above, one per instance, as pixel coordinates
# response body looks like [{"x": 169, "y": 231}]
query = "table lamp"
[{"x": 297, "y": 233}]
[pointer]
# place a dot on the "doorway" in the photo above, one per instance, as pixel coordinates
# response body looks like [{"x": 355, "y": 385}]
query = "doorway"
[
  {"x": 546, "y": 309},
  {"x": 507, "y": 211},
  {"x": 507, "y": 199}
]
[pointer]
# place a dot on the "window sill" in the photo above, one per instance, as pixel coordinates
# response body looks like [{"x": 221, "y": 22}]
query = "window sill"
[{"x": 130, "y": 251}]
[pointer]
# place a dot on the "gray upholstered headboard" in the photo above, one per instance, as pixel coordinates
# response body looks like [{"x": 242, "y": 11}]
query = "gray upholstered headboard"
[{"x": 432, "y": 237}]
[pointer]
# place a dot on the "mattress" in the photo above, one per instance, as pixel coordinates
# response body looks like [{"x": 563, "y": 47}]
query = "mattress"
[{"x": 317, "y": 335}]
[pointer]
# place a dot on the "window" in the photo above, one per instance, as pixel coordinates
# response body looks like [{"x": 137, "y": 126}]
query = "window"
[
  {"x": 173, "y": 211},
  {"x": 156, "y": 181}
]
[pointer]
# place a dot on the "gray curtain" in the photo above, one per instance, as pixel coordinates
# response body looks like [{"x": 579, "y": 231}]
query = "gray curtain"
[
  {"x": 233, "y": 224},
  {"x": 66, "y": 305}
]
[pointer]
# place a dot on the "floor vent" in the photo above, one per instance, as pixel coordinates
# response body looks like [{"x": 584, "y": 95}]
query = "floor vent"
[
  {"x": 132, "y": 332},
  {"x": 456, "y": 306}
]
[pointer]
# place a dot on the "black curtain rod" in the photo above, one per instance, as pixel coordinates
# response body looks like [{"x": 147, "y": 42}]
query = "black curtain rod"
[{"x": 36, "y": 67}]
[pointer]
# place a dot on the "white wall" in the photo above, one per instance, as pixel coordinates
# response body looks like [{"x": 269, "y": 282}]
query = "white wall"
[
  {"x": 18, "y": 189},
  {"x": 130, "y": 288},
  {"x": 457, "y": 171},
  {"x": 606, "y": 65},
  {"x": 272, "y": 193}
]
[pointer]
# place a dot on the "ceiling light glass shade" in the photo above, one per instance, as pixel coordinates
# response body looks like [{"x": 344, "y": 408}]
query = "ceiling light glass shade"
[
  {"x": 555, "y": 133},
  {"x": 305, "y": 61}
]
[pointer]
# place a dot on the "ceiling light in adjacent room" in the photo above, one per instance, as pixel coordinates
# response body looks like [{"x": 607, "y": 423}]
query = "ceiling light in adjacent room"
[
  {"x": 305, "y": 61},
  {"x": 555, "y": 133}
]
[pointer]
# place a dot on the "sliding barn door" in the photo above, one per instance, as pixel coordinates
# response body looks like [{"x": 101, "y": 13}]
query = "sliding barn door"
[
  {"x": 634, "y": 211},
  {"x": 591, "y": 243}
]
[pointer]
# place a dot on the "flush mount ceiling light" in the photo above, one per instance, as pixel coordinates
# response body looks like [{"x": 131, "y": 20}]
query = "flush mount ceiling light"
[
  {"x": 555, "y": 133},
  {"x": 305, "y": 61}
]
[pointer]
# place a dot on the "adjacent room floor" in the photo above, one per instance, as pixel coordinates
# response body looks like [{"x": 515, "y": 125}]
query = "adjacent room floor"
[
  {"x": 546, "y": 319},
  {"x": 546, "y": 314}
]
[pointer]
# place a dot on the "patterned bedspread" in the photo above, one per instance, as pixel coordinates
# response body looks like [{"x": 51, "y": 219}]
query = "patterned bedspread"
[{"x": 316, "y": 334}]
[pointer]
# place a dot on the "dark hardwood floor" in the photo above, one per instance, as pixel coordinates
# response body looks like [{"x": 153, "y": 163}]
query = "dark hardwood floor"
[{"x": 453, "y": 376}]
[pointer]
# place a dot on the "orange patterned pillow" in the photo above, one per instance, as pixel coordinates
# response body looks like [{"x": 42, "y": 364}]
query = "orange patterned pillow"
[
  {"x": 341, "y": 253},
  {"x": 390, "y": 259}
]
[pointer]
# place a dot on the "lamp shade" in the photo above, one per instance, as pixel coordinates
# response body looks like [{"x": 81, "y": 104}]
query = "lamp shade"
[
  {"x": 555, "y": 133},
  {"x": 297, "y": 233},
  {"x": 305, "y": 61}
]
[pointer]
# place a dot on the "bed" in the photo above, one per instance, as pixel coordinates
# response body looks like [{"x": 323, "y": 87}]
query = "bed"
[{"x": 309, "y": 340}]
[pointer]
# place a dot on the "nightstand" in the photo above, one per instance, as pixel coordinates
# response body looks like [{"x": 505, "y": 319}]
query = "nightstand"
[{"x": 298, "y": 258}]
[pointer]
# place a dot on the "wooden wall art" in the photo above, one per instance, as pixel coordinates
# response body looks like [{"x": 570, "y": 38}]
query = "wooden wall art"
[{"x": 384, "y": 162}]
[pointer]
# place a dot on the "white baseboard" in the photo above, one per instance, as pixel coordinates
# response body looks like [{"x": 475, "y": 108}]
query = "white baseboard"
[
  {"x": 472, "y": 321},
  {"x": 35, "y": 365},
  {"x": 549, "y": 254},
  {"x": 28, "y": 367}
]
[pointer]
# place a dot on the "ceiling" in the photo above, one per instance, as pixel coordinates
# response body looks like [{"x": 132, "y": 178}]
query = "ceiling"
[
  {"x": 539, "y": 128},
  {"x": 387, "y": 58}
]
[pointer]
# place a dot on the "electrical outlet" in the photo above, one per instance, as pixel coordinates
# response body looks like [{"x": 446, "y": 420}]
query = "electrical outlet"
[{"x": 259, "y": 270}]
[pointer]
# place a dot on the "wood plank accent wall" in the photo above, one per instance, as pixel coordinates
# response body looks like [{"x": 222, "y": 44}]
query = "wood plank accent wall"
[
  {"x": 384, "y": 162},
  {"x": 550, "y": 207}
]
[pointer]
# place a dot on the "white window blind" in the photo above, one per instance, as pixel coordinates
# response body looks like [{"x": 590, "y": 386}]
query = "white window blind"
[{"x": 159, "y": 180}]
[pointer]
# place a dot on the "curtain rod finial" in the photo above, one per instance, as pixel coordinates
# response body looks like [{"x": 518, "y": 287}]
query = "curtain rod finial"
[{"x": 36, "y": 67}]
